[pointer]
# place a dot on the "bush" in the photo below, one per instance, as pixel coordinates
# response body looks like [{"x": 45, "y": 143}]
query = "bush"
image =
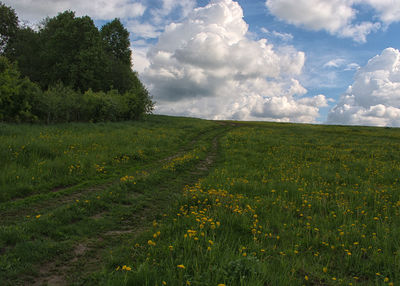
[
  {"x": 62, "y": 104},
  {"x": 16, "y": 94}
]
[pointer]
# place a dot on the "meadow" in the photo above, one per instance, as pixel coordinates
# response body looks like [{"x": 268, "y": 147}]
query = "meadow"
[{"x": 199, "y": 203}]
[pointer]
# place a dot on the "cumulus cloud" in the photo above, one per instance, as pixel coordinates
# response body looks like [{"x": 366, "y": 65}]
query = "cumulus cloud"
[
  {"x": 206, "y": 66},
  {"x": 36, "y": 10},
  {"x": 337, "y": 17},
  {"x": 374, "y": 97},
  {"x": 388, "y": 10}
]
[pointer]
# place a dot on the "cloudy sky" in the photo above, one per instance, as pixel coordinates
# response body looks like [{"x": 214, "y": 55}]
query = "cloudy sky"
[{"x": 318, "y": 61}]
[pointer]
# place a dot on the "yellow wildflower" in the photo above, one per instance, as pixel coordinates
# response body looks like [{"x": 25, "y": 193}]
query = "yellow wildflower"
[{"x": 127, "y": 268}]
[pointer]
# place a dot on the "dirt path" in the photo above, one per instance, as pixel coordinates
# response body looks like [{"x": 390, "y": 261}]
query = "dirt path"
[
  {"x": 87, "y": 256},
  {"x": 65, "y": 195}
]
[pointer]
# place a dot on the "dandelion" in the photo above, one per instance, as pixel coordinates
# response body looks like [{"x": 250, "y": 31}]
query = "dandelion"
[
  {"x": 181, "y": 266},
  {"x": 127, "y": 268},
  {"x": 38, "y": 216},
  {"x": 306, "y": 278}
]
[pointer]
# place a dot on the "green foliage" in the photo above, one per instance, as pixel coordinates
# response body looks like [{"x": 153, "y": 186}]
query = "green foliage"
[
  {"x": 16, "y": 94},
  {"x": 116, "y": 40},
  {"x": 24, "y": 49},
  {"x": 72, "y": 53},
  {"x": 8, "y": 25},
  {"x": 116, "y": 43},
  {"x": 63, "y": 104},
  {"x": 85, "y": 74}
]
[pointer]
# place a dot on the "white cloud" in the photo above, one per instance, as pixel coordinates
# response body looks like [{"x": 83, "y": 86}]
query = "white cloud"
[
  {"x": 185, "y": 5},
  {"x": 335, "y": 63},
  {"x": 282, "y": 36},
  {"x": 143, "y": 30},
  {"x": 139, "y": 58},
  {"x": 206, "y": 66},
  {"x": 352, "y": 66},
  {"x": 330, "y": 15},
  {"x": 36, "y": 10},
  {"x": 388, "y": 10},
  {"x": 168, "y": 6},
  {"x": 359, "y": 32},
  {"x": 337, "y": 17},
  {"x": 374, "y": 97}
]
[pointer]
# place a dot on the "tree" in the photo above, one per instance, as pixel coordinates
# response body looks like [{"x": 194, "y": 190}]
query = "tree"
[
  {"x": 117, "y": 46},
  {"x": 116, "y": 40},
  {"x": 85, "y": 74},
  {"x": 8, "y": 25},
  {"x": 71, "y": 53},
  {"x": 25, "y": 49}
]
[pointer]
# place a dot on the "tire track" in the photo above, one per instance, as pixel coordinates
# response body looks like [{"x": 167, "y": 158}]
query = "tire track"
[
  {"x": 61, "y": 196},
  {"x": 89, "y": 253}
]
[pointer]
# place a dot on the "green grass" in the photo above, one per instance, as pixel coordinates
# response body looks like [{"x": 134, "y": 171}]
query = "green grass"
[
  {"x": 37, "y": 158},
  {"x": 282, "y": 204}
]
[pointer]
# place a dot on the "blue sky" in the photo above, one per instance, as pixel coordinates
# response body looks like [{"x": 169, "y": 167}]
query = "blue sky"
[
  {"x": 321, "y": 47},
  {"x": 275, "y": 60}
]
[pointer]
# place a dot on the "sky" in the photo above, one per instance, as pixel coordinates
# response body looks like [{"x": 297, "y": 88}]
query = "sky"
[{"x": 308, "y": 61}]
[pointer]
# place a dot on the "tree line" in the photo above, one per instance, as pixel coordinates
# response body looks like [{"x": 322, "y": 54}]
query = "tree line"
[{"x": 67, "y": 70}]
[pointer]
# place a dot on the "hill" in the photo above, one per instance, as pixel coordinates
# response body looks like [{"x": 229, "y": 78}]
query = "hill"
[{"x": 183, "y": 201}]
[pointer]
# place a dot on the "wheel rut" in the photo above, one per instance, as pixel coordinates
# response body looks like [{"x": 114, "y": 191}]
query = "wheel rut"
[
  {"x": 62, "y": 195},
  {"x": 86, "y": 256}
]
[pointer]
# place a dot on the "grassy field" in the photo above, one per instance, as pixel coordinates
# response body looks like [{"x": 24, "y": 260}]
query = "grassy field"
[{"x": 178, "y": 201}]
